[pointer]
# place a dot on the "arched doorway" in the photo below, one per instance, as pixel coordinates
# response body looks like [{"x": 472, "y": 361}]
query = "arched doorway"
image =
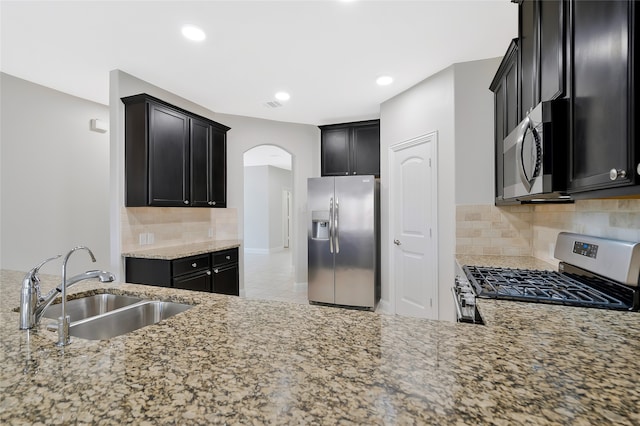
[{"x": 268, "y": 225}]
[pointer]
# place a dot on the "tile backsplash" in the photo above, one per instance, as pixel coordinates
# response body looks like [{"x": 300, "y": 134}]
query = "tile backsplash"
[
  {"x": 169, "y": 226},
  {"x": 531, "y": 229}
]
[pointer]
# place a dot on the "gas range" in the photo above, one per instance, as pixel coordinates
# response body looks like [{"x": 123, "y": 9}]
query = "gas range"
[{"x": 593, "y": 272}]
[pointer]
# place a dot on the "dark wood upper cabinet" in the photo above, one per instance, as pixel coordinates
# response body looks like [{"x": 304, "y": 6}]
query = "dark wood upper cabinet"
[
  {"x": 173, "y": 158},
  {"x": 351, "y": 149},
  {"x": 541, "y": 52},
  {"x": 505, "y": 90},
  {"x": 604, "y": 148}
]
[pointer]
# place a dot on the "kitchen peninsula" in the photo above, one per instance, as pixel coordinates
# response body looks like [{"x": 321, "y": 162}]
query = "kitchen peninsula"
[{"x": 237, "y": 361}]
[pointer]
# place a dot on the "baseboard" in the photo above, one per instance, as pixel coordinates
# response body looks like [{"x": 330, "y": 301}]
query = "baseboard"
[
  {"x": 263, "y": 251},
  {"x": 300, "y": 286},
  {"x": 384, "y": 306},
  {"x": 242, "y": 293}
]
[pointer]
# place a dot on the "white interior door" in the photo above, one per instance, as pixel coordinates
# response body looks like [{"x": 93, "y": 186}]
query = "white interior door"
[{"x": 414, "y": 207}]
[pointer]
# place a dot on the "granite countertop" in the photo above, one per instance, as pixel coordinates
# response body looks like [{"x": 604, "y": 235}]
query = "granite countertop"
[
  {"x": 185, "y": 250},
  {"x": 236, "y": 361}
]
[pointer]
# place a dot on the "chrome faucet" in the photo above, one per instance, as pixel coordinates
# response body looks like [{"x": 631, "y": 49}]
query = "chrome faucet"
[{"x": 32, "y": 304}]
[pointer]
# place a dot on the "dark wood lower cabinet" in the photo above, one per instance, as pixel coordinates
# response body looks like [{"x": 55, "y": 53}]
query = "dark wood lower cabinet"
[{"x": 215, "y": 272}]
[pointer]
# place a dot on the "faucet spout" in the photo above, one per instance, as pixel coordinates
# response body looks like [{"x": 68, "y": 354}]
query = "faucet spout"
[
  {"x": 102, "y": 276},
  {"x": 33, "y": 305}
]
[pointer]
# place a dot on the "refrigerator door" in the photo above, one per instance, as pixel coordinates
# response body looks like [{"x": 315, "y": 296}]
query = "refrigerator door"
[
  {"x": 320, "y": 193},
  {"x": 355, "y": 241}
]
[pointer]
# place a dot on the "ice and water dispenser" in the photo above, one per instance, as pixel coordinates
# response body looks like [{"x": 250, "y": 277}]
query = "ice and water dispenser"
[{"x": 320, "y": 224}]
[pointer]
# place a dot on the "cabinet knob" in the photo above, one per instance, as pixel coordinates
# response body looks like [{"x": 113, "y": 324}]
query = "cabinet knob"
[
  {"x": 617, "y": 174},
  {"x": 346, "y": 173},
  {"x": 194, "y": 264},
  {"x": 215, "y": 270},
  {"x": 228, "y": 257},
  {"x": 213, "y": 203},
  {"x": 208, "y": 272},
  {"x": 638, "y": 169},
  {"x": 186, "y": 201},
  {"x": 354, "y": 173}
]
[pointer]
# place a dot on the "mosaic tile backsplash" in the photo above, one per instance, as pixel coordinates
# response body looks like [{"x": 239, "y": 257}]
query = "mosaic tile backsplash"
[
  {"x": 171, "y": 226},
  {"x": 531, "y": 230}
]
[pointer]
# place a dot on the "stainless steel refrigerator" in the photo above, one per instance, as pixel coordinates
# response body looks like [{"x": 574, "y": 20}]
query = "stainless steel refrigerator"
[{"x": 344, "y": 247}]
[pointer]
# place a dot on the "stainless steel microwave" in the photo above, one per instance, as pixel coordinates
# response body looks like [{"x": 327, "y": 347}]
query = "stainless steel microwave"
[{"x": 535, "y": 157}]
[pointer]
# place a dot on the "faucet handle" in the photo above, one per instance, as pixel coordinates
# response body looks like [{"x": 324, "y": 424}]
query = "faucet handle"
[{"x": 35, "y": 280}]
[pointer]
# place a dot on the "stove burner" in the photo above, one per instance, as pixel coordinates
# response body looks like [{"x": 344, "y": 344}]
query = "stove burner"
[{"x": 548, "y": 287}]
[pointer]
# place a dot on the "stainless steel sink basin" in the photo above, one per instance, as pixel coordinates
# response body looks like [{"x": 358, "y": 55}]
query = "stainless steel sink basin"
[
  {"x": 125, "y": 319},
  {"x": 90, "y": 306}
]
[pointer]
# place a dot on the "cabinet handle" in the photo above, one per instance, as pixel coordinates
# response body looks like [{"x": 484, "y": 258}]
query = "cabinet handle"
[
  {"x": 194, "y": 264},
  {"x": 617, "y": 174},
  {"x": 228, "y": 257},
  {"x": 215, "y": 270},
  {"x": 186, "y": 201}
]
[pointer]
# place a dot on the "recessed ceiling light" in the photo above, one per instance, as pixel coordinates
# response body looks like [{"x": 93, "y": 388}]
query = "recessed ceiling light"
[
  {"x": 282, "y": 96},
  {"x": 193, "y": 33},
  {"x": 384, "y": 80}
]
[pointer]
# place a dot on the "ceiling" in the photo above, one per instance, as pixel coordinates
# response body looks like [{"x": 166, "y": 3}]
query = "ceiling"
[{"x": 326, "y": 54}]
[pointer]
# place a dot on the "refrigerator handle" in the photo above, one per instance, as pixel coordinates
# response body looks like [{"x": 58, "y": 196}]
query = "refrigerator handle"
[
  {"x": 337, "y": 227},
  {"x": 331, "y": 226}
]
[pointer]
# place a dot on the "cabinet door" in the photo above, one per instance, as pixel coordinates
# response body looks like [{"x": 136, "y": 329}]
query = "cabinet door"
[
  {"x": 365, "y": 149},
  {"x": 335, "y": 152},
  {"x": 551, "y": 65},
  {"x": 528, "y": 51},
  {"x": 600, "y": 112},
  {"x": 199, "y": 281},
  {"x": 218, "y": 168},
  {"x": 225, "y": 280},
  {"x": 201, "y": 169},
  {"x": 168, "y": 156}
]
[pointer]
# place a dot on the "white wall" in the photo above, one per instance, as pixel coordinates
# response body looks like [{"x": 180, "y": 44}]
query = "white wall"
[
  {"x": 426, "y": 107},
  {"x": 300, "y": 140},
  {"x": 263, "y": 213},
  {"x": 475, "y": 161},
  {"x": 55, "y": 178},
  {"x": 456, "y": 103},
  {"x": 256, "y": 202}
]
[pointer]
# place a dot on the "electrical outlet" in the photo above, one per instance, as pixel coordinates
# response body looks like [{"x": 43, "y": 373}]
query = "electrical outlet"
[
  {"x": 142, "y": 238},
  {"x": 151, "y": 237}
]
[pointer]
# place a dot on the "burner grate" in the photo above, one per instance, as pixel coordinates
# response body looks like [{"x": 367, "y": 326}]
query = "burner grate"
[{"x": 548, "y": 287}]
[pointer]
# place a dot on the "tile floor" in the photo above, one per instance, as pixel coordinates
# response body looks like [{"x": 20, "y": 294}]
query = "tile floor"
[{"x": 270, "y": 277}]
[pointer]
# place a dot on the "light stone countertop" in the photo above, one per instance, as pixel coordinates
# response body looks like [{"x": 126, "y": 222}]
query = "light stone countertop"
[
  {"x": 185, "y": 250},
  {"x": 231, "y": 360}
]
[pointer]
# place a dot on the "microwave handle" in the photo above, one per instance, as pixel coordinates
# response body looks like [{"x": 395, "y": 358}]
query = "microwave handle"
[{"x": 528, "y": 126}]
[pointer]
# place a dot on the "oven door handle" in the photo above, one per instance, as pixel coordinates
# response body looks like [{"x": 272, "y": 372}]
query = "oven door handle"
[{"x": 455, "y": 302}]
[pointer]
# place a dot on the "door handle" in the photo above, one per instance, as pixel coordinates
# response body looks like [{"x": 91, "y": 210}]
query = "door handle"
[
  {"x": 331, "y": 226},
  {"x": 337, "y": 227},
  {"x": 397, "y": 242}
]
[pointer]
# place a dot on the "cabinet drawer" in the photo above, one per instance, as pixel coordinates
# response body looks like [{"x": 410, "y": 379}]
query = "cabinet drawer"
[
  {"x": 198, "y": 281},
  {"x": 190, "y": 264},
  {"x": 225, "y": 257}
]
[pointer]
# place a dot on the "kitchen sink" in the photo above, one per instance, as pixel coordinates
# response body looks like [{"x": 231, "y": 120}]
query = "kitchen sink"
[
  {"x": 125, "y": 320},
  {"x": 90, "y": 306}
]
